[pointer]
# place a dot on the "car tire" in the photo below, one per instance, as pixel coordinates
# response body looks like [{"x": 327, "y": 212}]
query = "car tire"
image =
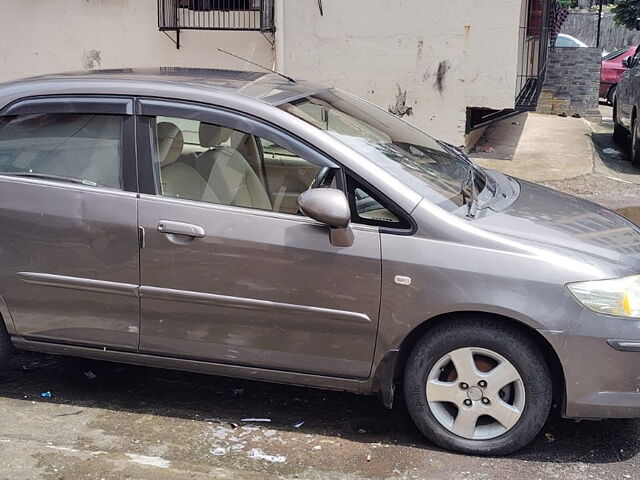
[
  {"x": 6, "y": 348},
  {"x": 483, "y": 340},
  {"x": 635, "y": 143},
  {"x": 620, "y": 134},
  {"x": 611, "y": 94}
]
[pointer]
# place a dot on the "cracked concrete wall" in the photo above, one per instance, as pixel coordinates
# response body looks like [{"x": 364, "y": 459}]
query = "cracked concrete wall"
[
  {"x": 52, "y": 36},
  {"x": 427, "y": 60}
]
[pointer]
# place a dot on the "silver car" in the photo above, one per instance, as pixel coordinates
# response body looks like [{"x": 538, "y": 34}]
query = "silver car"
[{"x": 247, "y": 225}]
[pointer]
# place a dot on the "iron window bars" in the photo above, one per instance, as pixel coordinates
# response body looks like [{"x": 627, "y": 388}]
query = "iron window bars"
[{"x": 244, "y": 15}]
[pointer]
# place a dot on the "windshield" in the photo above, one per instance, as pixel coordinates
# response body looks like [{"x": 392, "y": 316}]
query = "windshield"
[{"x": 430, "y": 168}]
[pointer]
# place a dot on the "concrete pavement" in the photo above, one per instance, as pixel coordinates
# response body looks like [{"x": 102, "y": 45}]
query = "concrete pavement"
[
  {"x": 571, "y": 155},
  {"x": 126, "y": 422}
]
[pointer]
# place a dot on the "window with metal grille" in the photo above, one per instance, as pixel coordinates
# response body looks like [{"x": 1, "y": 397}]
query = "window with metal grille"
[{"x": 179, "y": 15}]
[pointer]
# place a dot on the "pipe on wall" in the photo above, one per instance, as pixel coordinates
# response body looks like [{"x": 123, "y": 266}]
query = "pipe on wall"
[{"x": 279, "y": 37}]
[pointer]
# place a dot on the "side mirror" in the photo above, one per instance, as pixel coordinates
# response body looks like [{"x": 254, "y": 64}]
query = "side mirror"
[
  {"x": 626, "y": 63},
  {"x": 330, "y": 207}
]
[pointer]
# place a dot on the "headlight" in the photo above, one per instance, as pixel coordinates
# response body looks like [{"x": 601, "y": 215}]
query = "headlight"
[{"x": 619, "y": 296}]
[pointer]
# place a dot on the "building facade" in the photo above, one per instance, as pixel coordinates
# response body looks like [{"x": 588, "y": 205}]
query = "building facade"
[{"x": 447, "y": 67}]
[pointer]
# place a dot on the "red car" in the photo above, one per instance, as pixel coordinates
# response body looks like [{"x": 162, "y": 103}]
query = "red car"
[{"x": 612, "y": 70}]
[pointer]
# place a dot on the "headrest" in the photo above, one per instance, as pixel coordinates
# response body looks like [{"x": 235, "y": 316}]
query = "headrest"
[
  {"x": 213, "y": 135},
  {"x": 170, "y": 143}
]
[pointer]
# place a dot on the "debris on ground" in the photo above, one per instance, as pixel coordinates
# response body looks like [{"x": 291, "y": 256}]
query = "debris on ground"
[
  {"x": 484, "y": 149},
  {"x": 298, "y": 424},
  {"x": 37, "y": 364},
  {"x": 46, "y": 395},
  {"x": 611, "y": 151},
  {"x": 256, "y": 420},
  {"x": 550, "y": 437},
  {"x": 78, "y": 412},
  {"x": 90, "y": 375},
  {"x": 258, "y": 454}
]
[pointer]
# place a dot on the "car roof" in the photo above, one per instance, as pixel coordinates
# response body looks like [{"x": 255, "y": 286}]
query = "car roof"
[{"x": 271, "y": 88}]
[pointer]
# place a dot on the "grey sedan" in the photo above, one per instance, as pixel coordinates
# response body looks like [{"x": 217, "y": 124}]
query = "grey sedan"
[{"x": 248, "y": 225}]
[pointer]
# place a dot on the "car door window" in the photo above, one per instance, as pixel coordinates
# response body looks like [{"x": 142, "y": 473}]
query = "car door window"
[
  {"x": 76, "y": 148},
  {"x": 205, "y": 162}
]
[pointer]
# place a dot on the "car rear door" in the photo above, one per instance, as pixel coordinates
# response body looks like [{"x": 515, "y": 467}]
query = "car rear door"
[
  {"x": 69, "y": 243},
  {"x": 246, "y": 282}
]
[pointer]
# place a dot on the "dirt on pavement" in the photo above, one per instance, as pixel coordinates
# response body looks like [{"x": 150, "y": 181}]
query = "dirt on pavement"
[{"x": 110, "y": 421}]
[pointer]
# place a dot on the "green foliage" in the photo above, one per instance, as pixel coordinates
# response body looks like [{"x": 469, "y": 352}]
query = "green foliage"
[
  {"x": 568, "y": 3},
  {"x": 626, "y": 13}
]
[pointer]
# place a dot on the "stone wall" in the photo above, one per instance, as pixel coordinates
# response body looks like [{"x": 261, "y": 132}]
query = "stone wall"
[{"x": 571, "y": 83}]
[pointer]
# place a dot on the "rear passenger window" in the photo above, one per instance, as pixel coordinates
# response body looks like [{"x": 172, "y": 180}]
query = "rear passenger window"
[{"x": 76, "y": 148}]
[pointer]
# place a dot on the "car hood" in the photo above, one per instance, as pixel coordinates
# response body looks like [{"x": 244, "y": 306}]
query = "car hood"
[{"x": 546, "y": 216}]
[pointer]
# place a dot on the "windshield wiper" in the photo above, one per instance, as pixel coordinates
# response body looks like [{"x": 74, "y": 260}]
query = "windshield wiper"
[
  {"x": 453, "y": 150},
  {"x": 48, "y": 176},
  {"x": 470, "y": 199}
]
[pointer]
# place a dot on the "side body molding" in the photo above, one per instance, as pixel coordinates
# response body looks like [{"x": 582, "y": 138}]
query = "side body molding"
[{"x": 87, "y": 284}]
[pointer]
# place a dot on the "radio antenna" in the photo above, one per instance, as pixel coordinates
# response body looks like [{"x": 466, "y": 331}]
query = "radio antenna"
[{"x": 258, "y": 65}]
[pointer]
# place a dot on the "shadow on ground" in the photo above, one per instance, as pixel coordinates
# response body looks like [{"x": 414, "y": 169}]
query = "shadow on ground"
[{"x": 196, "y": 397}]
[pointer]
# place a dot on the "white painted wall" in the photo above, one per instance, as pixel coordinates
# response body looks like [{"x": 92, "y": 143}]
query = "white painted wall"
[
  {"x": 375, "y": 47},
  {"x": 45, "y": 36},
  {"x": 372, "y": 48}
]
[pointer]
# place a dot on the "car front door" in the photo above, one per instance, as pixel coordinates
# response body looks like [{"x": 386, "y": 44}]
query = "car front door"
[
  {"x": 69, "y": 243},
  {"x": 230, "y": 272}
]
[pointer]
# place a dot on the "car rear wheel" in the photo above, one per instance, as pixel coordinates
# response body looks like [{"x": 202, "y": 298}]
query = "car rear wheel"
[
  {"x": 6, "y": 349},
  {"x": 477, "y": 386}
]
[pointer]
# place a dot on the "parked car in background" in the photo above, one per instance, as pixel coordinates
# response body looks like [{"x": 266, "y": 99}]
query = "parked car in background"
[
  {"x": 626, "y": 105},
  {"x": 611, "y": 71},
  {"x": 251, "y": 225},
  {"x": 565, "y": 40}
]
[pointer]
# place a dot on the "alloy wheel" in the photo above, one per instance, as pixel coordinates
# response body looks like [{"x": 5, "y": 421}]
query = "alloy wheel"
[{"x": 475, "y": 393}]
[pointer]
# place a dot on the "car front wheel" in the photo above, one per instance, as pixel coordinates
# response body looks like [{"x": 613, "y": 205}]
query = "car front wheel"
[
  {"x": 611, "y": 94},
  {"x": 6, "y": 349},
  {"x": 620, "y": 134},
  {"x": 478, "y": 386},
  {"x": 635, "y": 143}
]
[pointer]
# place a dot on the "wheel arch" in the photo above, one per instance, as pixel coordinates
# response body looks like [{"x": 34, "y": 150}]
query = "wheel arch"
[{"x": 389, "y": 372}]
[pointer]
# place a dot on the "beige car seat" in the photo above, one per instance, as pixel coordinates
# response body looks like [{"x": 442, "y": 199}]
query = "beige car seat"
[
  {"x": 178, "y": 179},
  {"x": 231, "y": 178}
]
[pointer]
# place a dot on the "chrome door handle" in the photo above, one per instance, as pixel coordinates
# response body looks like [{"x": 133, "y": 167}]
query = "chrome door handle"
[{"x": 179, "y": 228}]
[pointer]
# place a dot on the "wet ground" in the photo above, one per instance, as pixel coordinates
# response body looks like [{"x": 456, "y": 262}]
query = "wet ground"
[
  {"x": 613, "y": 181},
  {"x": 110, "y": 421}
]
